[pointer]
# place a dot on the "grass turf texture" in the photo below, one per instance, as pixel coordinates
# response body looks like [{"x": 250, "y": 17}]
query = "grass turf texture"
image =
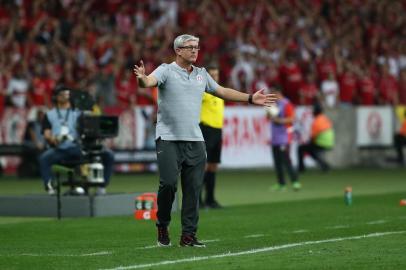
[{"x": 254, "y": 218}]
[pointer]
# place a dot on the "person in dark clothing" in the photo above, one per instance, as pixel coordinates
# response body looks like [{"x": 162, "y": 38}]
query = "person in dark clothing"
[
  {"x": 60, "y": 132},
  {"x": 399, "y": 141},
  {"x": 282, "y": 117},
  {"x": 34, "y": 144},
  {"x": 211, "y": 123},
  {"x": 321, "y": 139}
]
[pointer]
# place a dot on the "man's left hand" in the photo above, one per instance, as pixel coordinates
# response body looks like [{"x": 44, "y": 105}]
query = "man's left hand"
[{"x": 259, "y": 98}]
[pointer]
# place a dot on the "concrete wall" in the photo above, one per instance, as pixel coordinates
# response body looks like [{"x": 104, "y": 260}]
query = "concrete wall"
[
  {"x": 120, "y": 204},
  {"x": 346, "y": 153}
]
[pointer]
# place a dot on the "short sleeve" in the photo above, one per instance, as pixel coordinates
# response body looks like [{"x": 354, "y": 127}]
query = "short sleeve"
[
  {"x": 211, "y": 85},
  {"x": 160, "y": 73}
]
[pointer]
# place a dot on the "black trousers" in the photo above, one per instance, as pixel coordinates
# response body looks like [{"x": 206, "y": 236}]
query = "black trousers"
[
  {"x": 282, "y": 160},
  {"x": 315, "y": 152},
  {"x": 187, "y": 159},
  {"x": 399, "y": 141}
]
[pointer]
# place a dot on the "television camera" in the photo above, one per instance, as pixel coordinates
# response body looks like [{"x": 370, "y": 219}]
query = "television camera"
[{"x": 92, "y": 130}]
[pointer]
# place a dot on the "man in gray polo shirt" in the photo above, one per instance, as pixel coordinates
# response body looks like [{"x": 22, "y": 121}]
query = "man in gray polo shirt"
[{"x": 180, "y": 145}]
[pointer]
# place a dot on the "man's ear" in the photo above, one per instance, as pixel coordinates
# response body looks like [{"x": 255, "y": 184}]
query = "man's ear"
[{"x": 177, "y": 51}]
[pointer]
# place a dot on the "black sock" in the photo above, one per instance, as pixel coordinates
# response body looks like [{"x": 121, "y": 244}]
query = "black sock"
[{"x": 209, "y": 180}]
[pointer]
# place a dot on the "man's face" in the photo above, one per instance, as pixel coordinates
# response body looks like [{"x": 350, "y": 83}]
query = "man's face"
[
  {"x": 189, "y": 51},
  {"x": 63, "y": 96}
]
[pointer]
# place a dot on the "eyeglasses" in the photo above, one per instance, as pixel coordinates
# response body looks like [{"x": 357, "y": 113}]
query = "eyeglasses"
[{"x": 190, "y": 48}]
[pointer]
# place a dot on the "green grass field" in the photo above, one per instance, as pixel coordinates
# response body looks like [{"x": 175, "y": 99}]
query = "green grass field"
[{"x": 257, "y": 229}]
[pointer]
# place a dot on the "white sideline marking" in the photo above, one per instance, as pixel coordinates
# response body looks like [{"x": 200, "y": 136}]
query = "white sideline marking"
[
  {"x": 211, "y": 240},
  {"x": 101, "y": 253},
  {"x": 254, "y": 235},
  {"x": 253, "y": 251},
  {"x": 300, "y": 231},
  {"x": 338, "y": 227},
  {"x": 381, "y": 221},
  {"x": 148, "y": 247},
  {"x": 96, "y": 254}
]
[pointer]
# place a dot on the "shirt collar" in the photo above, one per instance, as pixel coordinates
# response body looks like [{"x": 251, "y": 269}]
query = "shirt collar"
[{"x": 181, "y": 68}]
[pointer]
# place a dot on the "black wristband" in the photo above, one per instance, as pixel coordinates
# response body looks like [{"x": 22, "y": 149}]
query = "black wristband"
[{"x": 250, "y": 99}]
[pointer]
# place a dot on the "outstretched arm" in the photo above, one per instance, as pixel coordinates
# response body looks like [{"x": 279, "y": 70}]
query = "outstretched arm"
[
  {"x": 258, "y": 98},
  {"x": 144, "y": 81}
]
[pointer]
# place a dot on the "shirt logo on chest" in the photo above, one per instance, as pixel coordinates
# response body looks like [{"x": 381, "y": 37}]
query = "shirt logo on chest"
[{"x": 199, "y": 79}]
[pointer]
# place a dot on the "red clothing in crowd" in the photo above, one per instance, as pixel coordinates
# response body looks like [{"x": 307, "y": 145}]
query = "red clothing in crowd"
[
  {"x": 213, "y": 43},
  {"x": 402, "y": 91},
  {"x": 292, "y": 80},
  {"x": 366, "y": 91},
  {"x": 126, "y": 89},
  {"x": 146, "y": 96},
  {"x": 324, "y": 68},
  {"x": 388, "y": 89},
  {"x": 273, "y": 77},
  {"x": 42, "y": 91},
  {"x": 308, "y": 93},
  {"x": 348, "y": 87},
  {"x": 3, "y": 86},
  {"x": 189, "y": 18}
]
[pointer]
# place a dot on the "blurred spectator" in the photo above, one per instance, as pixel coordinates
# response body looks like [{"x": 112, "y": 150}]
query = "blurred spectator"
[
  {"x": 330, "y": 91},
  {"x": 79, "y": 41},
  {"x": 347, "y": 81},
  {"x": 42, "y": 87},
  {"x": 388, "y": 87},
  {"x": 326, "y": 66},
  {"x": 291, "y": 76},
  {"x": 259, "y": 81},
  {"x": 272, "y": 74},
  {"x": 3, "y": 92},
  {"x": 106, "y": 91},
  {"x": 242, "y": 74},
  {"x": 17, "y": 88},
  {"x": 366, "y": 94},
  {"x": 402, "y": 87},
  {"x": 34, "y": 143},
  {"x": 126, "y": 86},
  {"x": 309, "y": 92}
]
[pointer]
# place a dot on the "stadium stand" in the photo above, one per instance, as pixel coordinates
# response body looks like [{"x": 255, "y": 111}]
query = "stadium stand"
[{"x": 93, "y": 45}]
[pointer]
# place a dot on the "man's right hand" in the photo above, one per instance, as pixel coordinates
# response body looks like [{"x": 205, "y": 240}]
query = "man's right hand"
[
  {"x": 53, "y": 141},
  {"x": 144, "y": 81},
  {"x": 139, "y": 71}
]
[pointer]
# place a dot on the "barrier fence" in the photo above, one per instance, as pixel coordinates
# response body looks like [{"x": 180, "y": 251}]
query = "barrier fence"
[{"x": 246, "y": 135}]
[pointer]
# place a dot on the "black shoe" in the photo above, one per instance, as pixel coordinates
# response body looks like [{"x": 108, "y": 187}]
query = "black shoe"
[
  {"x": 214, "y": 205},
  {"x": 189, "y": 240},
  {"x": 163, "y": 237}
]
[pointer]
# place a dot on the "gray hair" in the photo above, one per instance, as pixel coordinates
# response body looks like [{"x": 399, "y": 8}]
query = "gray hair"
[{"x": 180, "y": 40}]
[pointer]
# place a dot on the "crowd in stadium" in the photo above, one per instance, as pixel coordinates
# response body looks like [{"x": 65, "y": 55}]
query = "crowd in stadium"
[{"x": 344, "y": 51}]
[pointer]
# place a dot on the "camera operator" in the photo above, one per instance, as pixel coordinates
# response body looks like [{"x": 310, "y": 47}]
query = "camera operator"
[{"x": 60, "y": 132}]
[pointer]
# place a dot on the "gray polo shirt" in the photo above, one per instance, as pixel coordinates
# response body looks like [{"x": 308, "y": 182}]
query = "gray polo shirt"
[{"x": 179, "y": 101}]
